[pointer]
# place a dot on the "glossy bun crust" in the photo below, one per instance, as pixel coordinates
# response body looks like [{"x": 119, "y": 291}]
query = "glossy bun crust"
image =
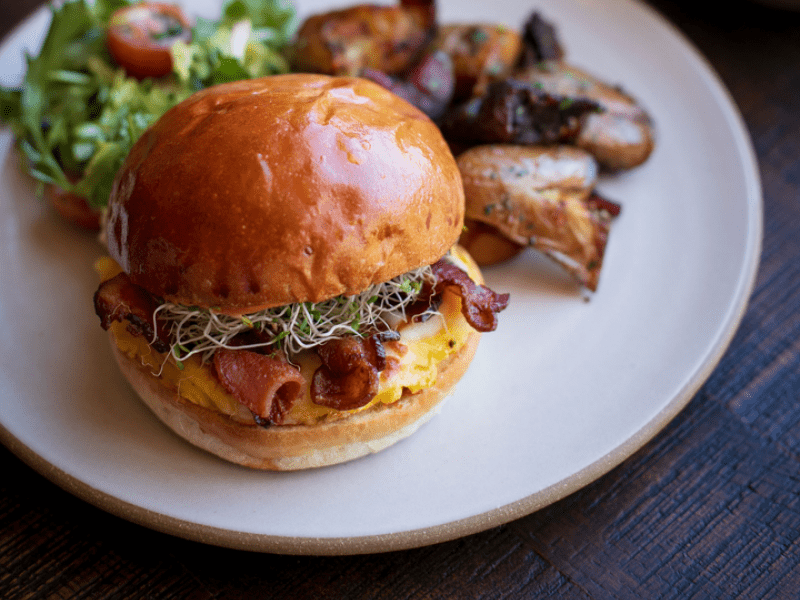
[{"x": 289, "y": 188}]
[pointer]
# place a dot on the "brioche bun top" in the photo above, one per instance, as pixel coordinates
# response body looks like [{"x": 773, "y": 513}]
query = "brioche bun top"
[{"x": 290, "y": 188}]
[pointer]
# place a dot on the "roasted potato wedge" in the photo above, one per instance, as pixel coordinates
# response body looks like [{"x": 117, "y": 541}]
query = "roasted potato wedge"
[
  {"x": 620, "y": 135},
  {"x": 480, "y": 53},
  {"x": 344, "y": 42},
  {"x": 516, "y": 112},
  {"x": 541, "y": 197}
]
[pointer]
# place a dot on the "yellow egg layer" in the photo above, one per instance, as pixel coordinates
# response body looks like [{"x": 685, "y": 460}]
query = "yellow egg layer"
[{"x": 412, "y": 361}]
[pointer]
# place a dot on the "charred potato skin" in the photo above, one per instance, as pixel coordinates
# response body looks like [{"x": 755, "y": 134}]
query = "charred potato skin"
[
  {"x": 620, "y": 135},
  {"x": 428, "y": 86},
  {"x": 344, "y": 42},
  {"x": 516, "y": 112},
  {"x": 538, "y": 197},
  {"x": 539, "y": 42}
]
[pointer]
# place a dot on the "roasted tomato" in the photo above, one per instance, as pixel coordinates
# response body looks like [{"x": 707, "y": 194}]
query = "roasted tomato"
[
  {"x": 139, "y": 37},
  {"x": 73, "y": 208}
]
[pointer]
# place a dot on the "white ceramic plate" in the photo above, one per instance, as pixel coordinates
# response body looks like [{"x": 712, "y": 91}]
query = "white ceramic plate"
[{"x": 564, "y": 390}]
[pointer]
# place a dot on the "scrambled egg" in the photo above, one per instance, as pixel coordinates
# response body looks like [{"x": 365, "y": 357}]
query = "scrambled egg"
[{"x": 411, "y": 363}]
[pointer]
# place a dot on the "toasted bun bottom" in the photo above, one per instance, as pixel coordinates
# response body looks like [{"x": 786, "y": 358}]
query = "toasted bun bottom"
[{"x": 293, "y": 447}]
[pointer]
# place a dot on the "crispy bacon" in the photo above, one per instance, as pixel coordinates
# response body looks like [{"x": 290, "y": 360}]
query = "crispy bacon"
[
  {"x": 349, "y": 375},
  {"x": 596, "y": 202},
  {"x": 479, "y": 304},
  {"x": 119, "y": 299},
  {"x": 266, "y": 384}
]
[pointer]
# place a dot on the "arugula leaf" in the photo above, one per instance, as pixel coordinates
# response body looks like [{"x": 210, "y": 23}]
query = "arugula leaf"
[
  {"x": 222, "y": 55},
  {"x": 70, "y": 22},
  {"x": 10, "y": 105},
  {"x": 103, "y": 9},
  {"x": 76, "y": 114},
  {"x": 273, "y": 14}
]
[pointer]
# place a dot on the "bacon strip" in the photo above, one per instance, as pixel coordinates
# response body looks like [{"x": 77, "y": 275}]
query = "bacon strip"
[
  {"x": 349, "y": 375},
  {"x": 479, "y": 304},
  {"x": 266, "y": 384},
  {"x": 119, "y": 299},
  {"x": 597, "y": 202}
]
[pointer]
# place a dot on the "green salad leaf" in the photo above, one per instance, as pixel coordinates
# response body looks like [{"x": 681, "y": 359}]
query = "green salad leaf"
[{"x": 76, "y": 114}]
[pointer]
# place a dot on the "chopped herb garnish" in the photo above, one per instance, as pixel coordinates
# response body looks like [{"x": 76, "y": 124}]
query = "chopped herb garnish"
[
  {"x": 565, "y": 103},
  {"x": 478, "y": 36}
]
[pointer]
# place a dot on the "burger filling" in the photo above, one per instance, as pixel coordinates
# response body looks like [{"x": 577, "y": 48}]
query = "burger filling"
[{"x": 303, "y": 362}]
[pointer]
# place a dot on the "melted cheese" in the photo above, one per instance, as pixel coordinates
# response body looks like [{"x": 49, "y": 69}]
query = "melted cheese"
[{"x": 411, "y": 363}]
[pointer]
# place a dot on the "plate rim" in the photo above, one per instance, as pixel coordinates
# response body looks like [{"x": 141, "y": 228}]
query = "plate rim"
[{"x": 387, "y": 542}]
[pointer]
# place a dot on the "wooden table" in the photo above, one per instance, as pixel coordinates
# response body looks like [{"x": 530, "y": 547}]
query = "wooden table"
[{"x": 709, "y": 509}]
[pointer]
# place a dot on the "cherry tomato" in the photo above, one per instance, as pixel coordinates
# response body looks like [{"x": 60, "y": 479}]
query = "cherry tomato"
[
  {"x": 139, "y": 37},
  {"x": 73, "y": 208}
]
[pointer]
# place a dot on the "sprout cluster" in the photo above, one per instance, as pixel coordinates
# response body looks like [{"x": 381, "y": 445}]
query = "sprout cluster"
[{"x": 294, "y": 327}]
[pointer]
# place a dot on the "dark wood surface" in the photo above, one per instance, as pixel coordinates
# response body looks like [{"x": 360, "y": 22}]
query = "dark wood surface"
[{"x": 709, "y": 509}]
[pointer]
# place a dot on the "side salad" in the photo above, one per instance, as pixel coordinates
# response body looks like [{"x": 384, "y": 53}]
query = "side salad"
[{"x": 109, "y": 69}]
